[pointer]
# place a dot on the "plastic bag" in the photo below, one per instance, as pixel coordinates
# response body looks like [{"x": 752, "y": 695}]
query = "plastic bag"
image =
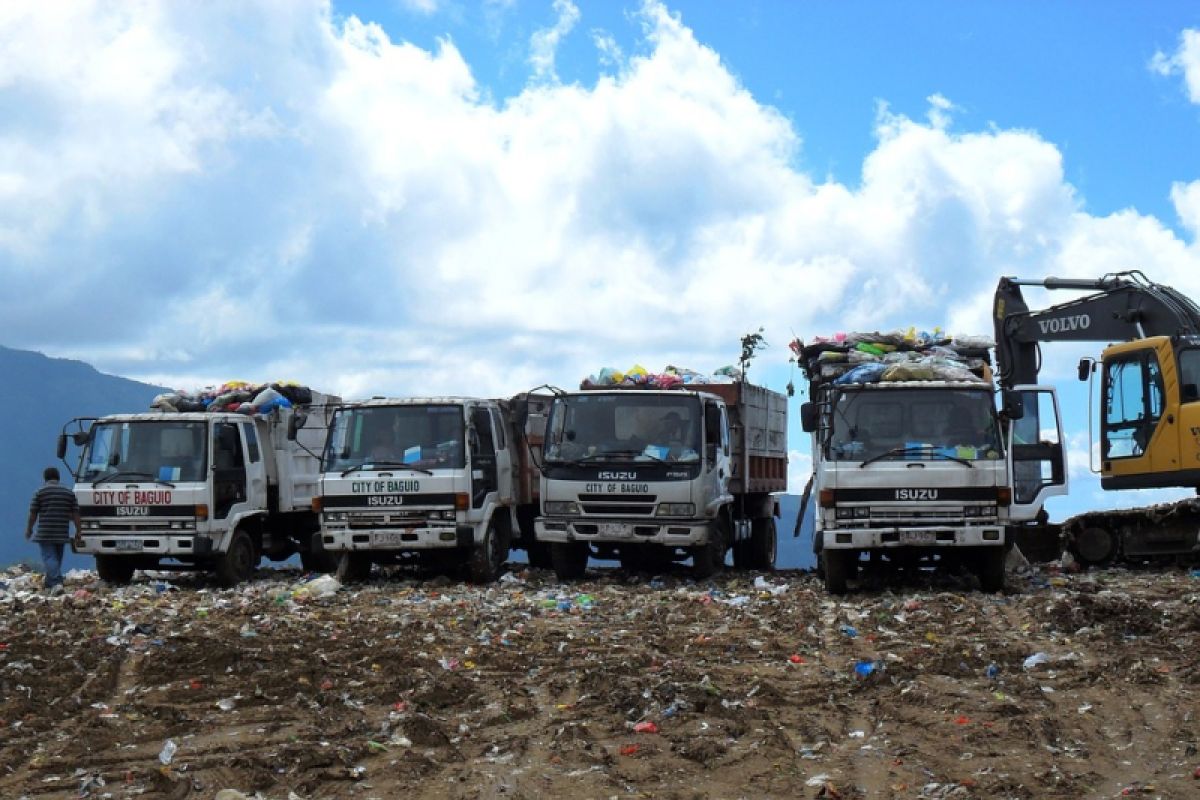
[{"x": 863, "y": 373}]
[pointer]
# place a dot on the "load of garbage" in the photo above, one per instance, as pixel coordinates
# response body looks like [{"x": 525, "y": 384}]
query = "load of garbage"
[
  {"x": 238, "y": 396},
  {"x": 900, "y": 355},
  {"x": 669, "y": 378}
]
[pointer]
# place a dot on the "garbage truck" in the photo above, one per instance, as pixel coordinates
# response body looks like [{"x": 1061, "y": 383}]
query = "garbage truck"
[
  {"x": 212, "y": 490},
  {"x": 651, "y": 476},
  {"x": 443, "y": 480},
  {"x": 912, "y": 463}
]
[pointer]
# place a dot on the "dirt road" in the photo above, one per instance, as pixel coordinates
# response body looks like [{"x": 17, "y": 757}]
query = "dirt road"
[{"x": 1066, "y": 686}]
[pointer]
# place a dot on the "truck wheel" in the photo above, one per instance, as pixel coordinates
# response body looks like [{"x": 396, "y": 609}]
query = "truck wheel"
[
  {"x": 708, "y": 559},
  {"x": 114, "y": 569},
  {"x": 353, "y": 567},
  {"x": 318, "y": 560},
  {"x": 837, "y": 565},
  {"x": 990, "y": 569},
  {"x": 762, "y": 544},
  {"x": 1095, "y": 545},
  {"x": 239, "y": 562},
  {"x": 539, "y": 555},
  {"x": 486, "y": 559},
  {"x": 569, "y": 559}
]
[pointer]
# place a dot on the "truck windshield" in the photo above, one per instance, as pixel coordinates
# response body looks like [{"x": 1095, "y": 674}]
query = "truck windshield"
[
  {"x": 631, "y": 427},
  {"x": 914, "y": 424},
  {"x": 145, "y": 450},
  {"x": 422, "y": 436}
]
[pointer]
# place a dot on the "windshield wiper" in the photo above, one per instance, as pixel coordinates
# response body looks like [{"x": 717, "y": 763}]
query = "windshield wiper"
[
  {"x": 376, "y": 465},
  {"x": 119, "y": 473},
  {"x": 927, "y": 450}
]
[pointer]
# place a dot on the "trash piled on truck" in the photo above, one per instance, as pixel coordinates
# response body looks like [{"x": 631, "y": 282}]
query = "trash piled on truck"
[
  {"x": 418, "y": 687},
  {"x": 669, "y": 378},
  {"x": 237, "y": 396},
  {"x": 901, "y": 355}
]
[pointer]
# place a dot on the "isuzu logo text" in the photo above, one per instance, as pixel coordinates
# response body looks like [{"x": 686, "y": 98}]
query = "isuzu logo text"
[
  {"x": 916, "y": 494},
  {"x": 1077, "y": 322},
  {"x": 610, "y": 475}
]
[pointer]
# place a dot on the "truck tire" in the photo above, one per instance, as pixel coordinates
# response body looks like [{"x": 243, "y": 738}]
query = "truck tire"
[
  {"x": 990, "y": 569},
  {"x": 569, "y": 559},
  {"x": 709, "y": 558},
  {"x": 318, "y": 560},
  {"x": 539, "y": 555},
  {"x": 237, "y": 563},
  {"x": 486, "y": 559},
  {"x": 353, "y": 567},
  {"x": 762, "y": 544},
  {"x": 114, "y": 569},
  {"x": 836, "y": 565}
]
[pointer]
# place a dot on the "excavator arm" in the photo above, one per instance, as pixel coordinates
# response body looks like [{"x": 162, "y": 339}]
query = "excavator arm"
[
  {"x": 1123, "y": 306},
  {"x": 1149, "y": 418}
]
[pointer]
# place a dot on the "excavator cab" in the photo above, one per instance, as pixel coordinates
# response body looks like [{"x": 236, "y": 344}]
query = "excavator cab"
[{"x": 1150, "y": 413}]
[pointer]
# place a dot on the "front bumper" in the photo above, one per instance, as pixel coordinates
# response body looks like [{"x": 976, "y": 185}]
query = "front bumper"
[
  {"x": 440, "y": 537},
  {"x": 931, "y": 536},
  {"x": 167, "y": 544},
  {"x": 675, "y": 533}
]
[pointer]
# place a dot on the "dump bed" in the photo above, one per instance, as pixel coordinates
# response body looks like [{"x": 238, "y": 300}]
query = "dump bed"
[{"x": 758, "y": 435}]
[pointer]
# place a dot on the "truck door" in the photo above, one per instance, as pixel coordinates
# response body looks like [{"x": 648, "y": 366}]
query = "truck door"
[
  {"x": 483, "y": 456},
  {"x": 504, "y": 459},
  {"x": 1038, "y": 466},
  {"x": 256, "y": 468},
  {"x": 229, "y": 469},
  {"x": 716, "y": 447}
]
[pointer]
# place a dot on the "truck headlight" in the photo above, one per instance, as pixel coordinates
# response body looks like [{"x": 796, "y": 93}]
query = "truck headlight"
[
  {"x": 844, "y": 513},
  {"x": 336, "y": 516},
  {"x": 676, "y": 509},
  {"x": 560, "y": 507},
  {"x": 862, "y": 512},
  {"x": 91, "y": 525}
]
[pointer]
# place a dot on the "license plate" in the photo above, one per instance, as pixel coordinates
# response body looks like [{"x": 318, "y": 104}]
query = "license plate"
[
  {"x": 387, "y": 538},
  {"x": 127, "y": 545},
  {"x": 917, "y": 537},
  {"x": 612, "y": 529}
]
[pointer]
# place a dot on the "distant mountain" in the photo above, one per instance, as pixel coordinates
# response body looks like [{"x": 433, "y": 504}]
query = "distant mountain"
[{"x": 42, "y": 394}]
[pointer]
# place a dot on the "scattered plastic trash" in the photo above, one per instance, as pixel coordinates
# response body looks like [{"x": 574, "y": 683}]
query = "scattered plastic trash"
[
  {"x": 864, "y": 668},
  {"x": 1035, "y": 659},
  {"x": 167, "y": 754},
  {"x": 645, "y": 727},
  {"x": 849, "y": 630},
  {"x": 991, "y": 671}
]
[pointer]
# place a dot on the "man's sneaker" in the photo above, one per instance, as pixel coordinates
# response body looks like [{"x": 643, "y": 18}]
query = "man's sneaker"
[{"x": 55, "y": 590}]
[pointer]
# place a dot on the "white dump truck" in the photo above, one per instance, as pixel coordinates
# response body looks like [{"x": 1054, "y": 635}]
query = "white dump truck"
[
  {"x": 199, "y": 490},
  {"x": 652, "y": 476},
  {"x": 912, "y": 462},
  {"x": 446, "y": 480}
]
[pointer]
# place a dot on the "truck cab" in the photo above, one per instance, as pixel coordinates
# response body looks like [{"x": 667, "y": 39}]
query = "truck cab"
[
  {"x": 651, "y": 476},
  {"x": 914, "y": 470},
  {"x": 192, "y": 490},
  {"x": 413, "y": 477}
]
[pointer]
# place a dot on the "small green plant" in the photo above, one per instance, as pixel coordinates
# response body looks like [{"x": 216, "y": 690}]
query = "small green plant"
[{"x": 751, "y": 344}]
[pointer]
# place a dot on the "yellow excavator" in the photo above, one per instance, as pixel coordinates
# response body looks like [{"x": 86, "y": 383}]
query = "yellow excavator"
[{"x": 1149, "y": 410}]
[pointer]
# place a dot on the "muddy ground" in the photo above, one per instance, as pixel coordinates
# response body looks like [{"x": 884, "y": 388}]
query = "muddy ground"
[{"x": 1066, "y": 686}]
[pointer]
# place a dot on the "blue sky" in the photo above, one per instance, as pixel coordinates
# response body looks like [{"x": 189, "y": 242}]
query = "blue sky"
[{"x": 433, "y": 196}]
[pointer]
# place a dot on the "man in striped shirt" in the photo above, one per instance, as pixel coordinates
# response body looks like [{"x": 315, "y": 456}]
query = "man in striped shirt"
[{"x": 52, "y": 508}]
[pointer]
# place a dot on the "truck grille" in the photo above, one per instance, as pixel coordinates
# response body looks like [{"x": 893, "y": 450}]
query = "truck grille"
[{"x": 618, "y": 504}]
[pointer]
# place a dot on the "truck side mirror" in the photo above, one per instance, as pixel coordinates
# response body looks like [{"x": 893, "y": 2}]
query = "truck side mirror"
[
  {"x": 1086, "y": 366},
  {"x": 295, "y": 424},
  {"x": 1014, "y": 405},
  {"x": 62, "y": 446},
  {"x": 808, "y": 417}
]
